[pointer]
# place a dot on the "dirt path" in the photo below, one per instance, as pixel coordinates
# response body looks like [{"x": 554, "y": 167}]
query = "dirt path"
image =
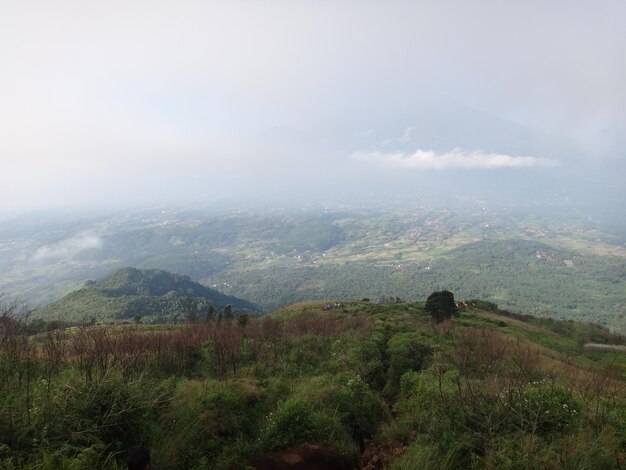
[
  {"x": 614, "y": 347},
  {"x": 302, "y": 457}
]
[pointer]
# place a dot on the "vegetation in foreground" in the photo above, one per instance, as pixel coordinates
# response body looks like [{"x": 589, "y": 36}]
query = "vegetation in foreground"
[{"x": 353, "y": 384}]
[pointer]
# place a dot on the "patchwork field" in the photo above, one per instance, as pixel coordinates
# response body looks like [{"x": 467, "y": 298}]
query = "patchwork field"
[{"x": 558, "y": 264}]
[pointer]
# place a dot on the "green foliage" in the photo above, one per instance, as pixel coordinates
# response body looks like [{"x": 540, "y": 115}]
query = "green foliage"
[
  {"x": 504, "y": 271},
  {"x": 441, "y": 306},
  {"x": 369, "y": 363},
  {"x": 295, "y": 421},
  {"x": 542, "y": 406},
  {"x": 405, "y": 351},
  {"x": 310, "y": 235},
  {"x": 210, "y": 313},
  {"x": 291, "y": 422},
  {"x": 483, "y": 305},
  {"x": 422, "y": 455},
  {"x": 111, "y": 411},
  {"x": 359, "y": 408},
  {"x": 148, "y": 293},
  {"x": 243, "y": 319},
  {"x": 417, "y": 394},
  {"x": 228, "y": 312},
  {"x": 203, "y": 423},
  {"x": 419, "y": 407},
  {"x": 229, "y": 407}
]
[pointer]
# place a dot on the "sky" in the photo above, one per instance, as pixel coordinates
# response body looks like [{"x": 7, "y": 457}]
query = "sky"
[{"x": 130, "y": 102}]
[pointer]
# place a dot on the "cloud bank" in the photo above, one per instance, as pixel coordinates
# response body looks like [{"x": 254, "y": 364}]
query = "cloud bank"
[
  {"x": 68, "y": 248},
  {"x": 455, "y": 159},
  {"x": 121, "y": 103}
]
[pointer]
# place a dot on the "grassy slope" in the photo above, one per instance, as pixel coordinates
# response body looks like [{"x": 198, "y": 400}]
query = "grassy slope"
[
  {"x": 305, "y": 374},
  {"x": 554, "y": 339}
]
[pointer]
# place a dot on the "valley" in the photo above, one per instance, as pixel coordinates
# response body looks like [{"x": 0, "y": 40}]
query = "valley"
[{"x": 560, "y": 264}]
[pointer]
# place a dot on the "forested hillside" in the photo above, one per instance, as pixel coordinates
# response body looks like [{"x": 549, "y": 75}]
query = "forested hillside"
[{"x": 141, "y": 294}]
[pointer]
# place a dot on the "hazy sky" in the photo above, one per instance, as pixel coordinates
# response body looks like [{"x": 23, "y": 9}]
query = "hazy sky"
[{"x": 152, "y": 100}]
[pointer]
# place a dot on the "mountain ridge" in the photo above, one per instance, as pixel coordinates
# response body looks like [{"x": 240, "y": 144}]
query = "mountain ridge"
[{"x": 130, "y": 292}]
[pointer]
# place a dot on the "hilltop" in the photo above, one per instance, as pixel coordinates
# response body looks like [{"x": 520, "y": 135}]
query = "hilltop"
[
  {"x": 588, "y": 343},
  {"x": 129, "y": 292}
]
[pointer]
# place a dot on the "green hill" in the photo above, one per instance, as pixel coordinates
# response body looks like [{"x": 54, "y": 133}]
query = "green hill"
[{"x": 131, "y": 292}]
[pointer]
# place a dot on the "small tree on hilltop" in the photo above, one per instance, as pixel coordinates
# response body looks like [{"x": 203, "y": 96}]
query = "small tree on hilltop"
[
  {"x": 210, "y": 313},
  {"x": 242, "y": 319},
  {"x": 228, "y": 312},
  {"x": 441, "y": 306}
]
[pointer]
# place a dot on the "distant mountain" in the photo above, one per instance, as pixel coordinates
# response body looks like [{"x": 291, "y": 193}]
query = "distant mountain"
[{"x": 132, "y": 292}]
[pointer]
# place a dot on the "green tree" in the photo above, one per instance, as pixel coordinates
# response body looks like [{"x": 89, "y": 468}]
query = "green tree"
[
  {"x": 228, "y": 312},
  {"x": 441, "y": 306},
  {"x": 242, "y": 319},
  {"x": 191, "y": 309},
  {"x": 210, "y": 313}
]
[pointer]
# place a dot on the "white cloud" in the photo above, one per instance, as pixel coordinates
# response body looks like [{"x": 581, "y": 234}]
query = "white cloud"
[
  {"x": 68, "y": 248},
  {"x": 457, "y": 158}
]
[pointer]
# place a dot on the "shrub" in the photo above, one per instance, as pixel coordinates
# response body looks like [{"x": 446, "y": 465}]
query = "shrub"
[
  {"x": 111, "y": 410},
  {"x": 405, "y": 351},
  {"x": 420, "y": 406},
  {"x": 369, "y": 363},
  {"x": 203, "y": 423},
  {"x": 423, "y": 455},
  {"x": 290, "y": 423},
  {"x": 229, "y": 410},
  {"x": 541, "y": 407},
  {"x": 295, "y": 421},
  {"x": 359, "y": 408}
]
